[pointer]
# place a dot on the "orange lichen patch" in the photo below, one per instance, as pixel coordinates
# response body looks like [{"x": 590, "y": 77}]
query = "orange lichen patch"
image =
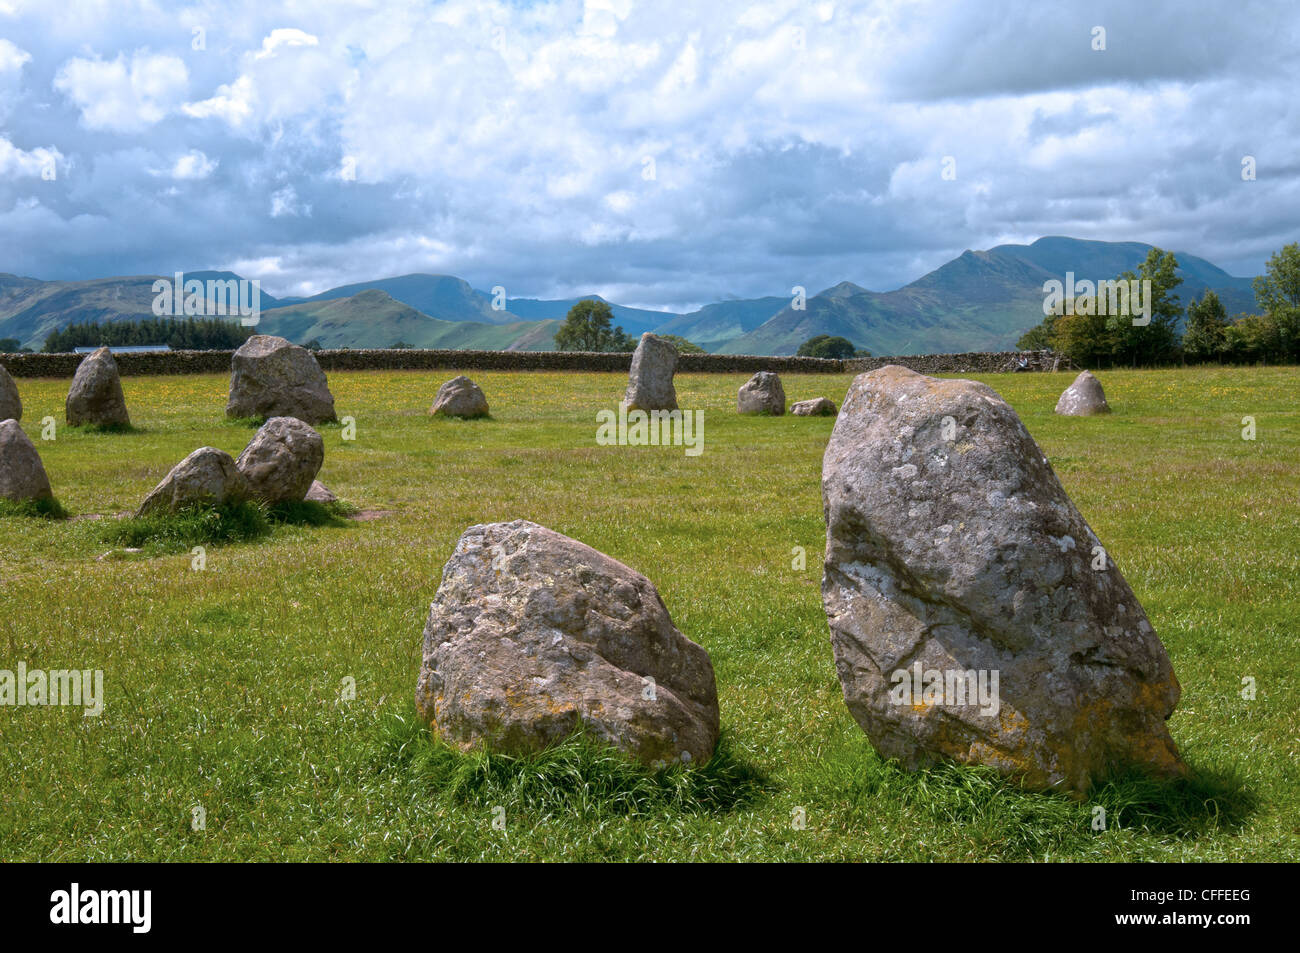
[{"x": 1153, "y": 749}]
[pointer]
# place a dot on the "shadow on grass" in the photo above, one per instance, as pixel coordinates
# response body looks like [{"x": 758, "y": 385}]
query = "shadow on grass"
[
  {"x": 579, "y": 774},
  {"x": 1001, "y": 815},
  {"x": 244, "y": 423},
  {"x": 104, "y": 429},
  {"x": 48, "y": 508},
  {"x": 255, "y": 423},
  {"x": 224, "y": 524}
]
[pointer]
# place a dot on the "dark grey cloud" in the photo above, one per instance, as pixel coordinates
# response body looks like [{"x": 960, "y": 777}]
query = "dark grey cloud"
[{"x": 791, "y": 143}]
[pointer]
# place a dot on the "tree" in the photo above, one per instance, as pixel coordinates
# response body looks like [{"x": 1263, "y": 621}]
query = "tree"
[
  {"x": 10, "y": 345},
  {"x": 313, "y": 345},
  {"x": 1039, "y": 337},
  {"x": 1252, "y": 338},
  {"x": 823, "y": 345},
  {"x": 196, "y": 334},
  {"x": 1277, "y": 292},
  {"x": 683, "y": 346},
  {"x": 401, "y": 346},
  {"x": 1207, "y": 324},
  {"x": 1156, "y": 342},
  {"x": 587, "y": 328},
  {"x": 1084, "y": 338}
]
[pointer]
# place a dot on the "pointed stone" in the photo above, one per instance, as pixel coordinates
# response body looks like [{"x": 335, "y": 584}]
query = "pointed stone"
[
  {"x": 1083, "y": 398},
  {"x": 954, "y": 553},
  {"x": 95, "y": 397}
]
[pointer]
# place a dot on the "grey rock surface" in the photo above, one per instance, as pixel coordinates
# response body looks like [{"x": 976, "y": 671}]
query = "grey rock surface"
[
  {"x": 280, "y": 463},
  {"x": 534, "y": 635},
  {"x": 11, "y": 405},
  {"x": 460, "y": 397},
  {"x": 952, "y": 548},
  {"x": 22, "y": 474},
  {"x": 269, "y": 377},
  {"x": 95, "y": 397},
  {"x": 206, "y": 477},
  {"x": 761, "y": 394},
  {"x": 650, "y": 380},
  {"x": 817, "y": 407},
  {"x": 1083, "y": 398}
]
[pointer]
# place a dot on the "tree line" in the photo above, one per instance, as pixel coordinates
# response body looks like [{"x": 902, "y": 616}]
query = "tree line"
[
  {"x": 1093, "y": 339},
  {"x": 189, "y": 334}
]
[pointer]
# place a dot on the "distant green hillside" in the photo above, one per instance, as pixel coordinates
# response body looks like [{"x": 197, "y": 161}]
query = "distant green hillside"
[
  {"x": 30, "y": 309},
  {"x": 439, "y": 296},
  {"x": 714, "y": 325},
  {"x": 375, "y": 319},
  {"x": 979, "y": 301}
]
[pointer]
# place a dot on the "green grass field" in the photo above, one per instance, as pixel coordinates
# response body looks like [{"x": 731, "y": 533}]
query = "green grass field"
[{"x": 223, "y": 686}]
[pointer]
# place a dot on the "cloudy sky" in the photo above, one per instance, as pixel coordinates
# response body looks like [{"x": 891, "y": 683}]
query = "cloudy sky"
[{"x": 661, "y": 154}]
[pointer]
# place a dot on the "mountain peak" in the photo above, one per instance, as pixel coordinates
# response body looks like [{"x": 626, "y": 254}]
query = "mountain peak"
[{"x": 845, "y": 289}]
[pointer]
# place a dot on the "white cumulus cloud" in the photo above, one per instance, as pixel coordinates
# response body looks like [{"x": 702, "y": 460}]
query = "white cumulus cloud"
[{"x": 123, "y": 94}]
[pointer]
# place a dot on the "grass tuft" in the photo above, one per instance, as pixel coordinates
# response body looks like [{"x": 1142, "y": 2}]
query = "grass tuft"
[
  {"x": 581, "y": 774},
  {"x": 220, "y": 525}
]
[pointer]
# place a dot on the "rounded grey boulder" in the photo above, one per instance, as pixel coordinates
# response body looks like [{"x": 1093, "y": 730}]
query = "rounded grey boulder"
[
  {"x": 95, "y": 396},
  {"x": 460, "y": 397},
  {"x": 762, "y": 394},
  {"x": 817, "y": 407},
  {"x": 11, "y": 406},
  {"x": 280, "y": 463},
  {"x": 974, "y": 615},
  {"x": 1083, "y": 398},
  {"x": 269, "y": 377},
  {"x": 650, "y": 380},
  {"x": 206, "y": 477},
  {"x": 22, "y": 475},
  {"x": 534, "y": 635}
]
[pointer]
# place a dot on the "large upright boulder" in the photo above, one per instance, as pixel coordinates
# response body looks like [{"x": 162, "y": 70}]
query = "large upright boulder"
[
  {"x": 280, "y": 463},
  {"x": 95, "y": 397},
  {"x": 762, "y": 394},
  {"x": 22, "y": 475},
  {"x": 269, "y": 377},
  {"x": 534, "y": 635},
  {"x": 206, "y": 477},
  {"x": 11, "y": 406},
  {"x": 460, "y": 397},
  {"x": 967, "y": 618},
  {"x": 1083, "y": 398},
  {"x": 650, "y": 381}
]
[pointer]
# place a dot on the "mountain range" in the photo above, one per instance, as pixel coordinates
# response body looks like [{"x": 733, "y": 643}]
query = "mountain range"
[{"x": 979, "y": 301}]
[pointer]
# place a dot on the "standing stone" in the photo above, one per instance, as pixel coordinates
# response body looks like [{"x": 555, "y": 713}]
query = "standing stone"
[
  {"x": 269, "y": 377},
  {"x": 206, "y": 477},
  {"x": 953, "y": 553},
  {"x": 320, "y": 493},
  {"x": 817, "y": 407},
  {"x": 650, "y": 381},
  {"x": 95, "y": 397},
  {"x": 762, "y": 394},
  {"x": 534, "y": 635},
  {"x": 1083, "y": 398},
  {"x": 22, "y": 475},
  {"x": 460, "y": 397},
  {"x": 11, "y": 406},
  {"x": 280, "y": 463}
]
